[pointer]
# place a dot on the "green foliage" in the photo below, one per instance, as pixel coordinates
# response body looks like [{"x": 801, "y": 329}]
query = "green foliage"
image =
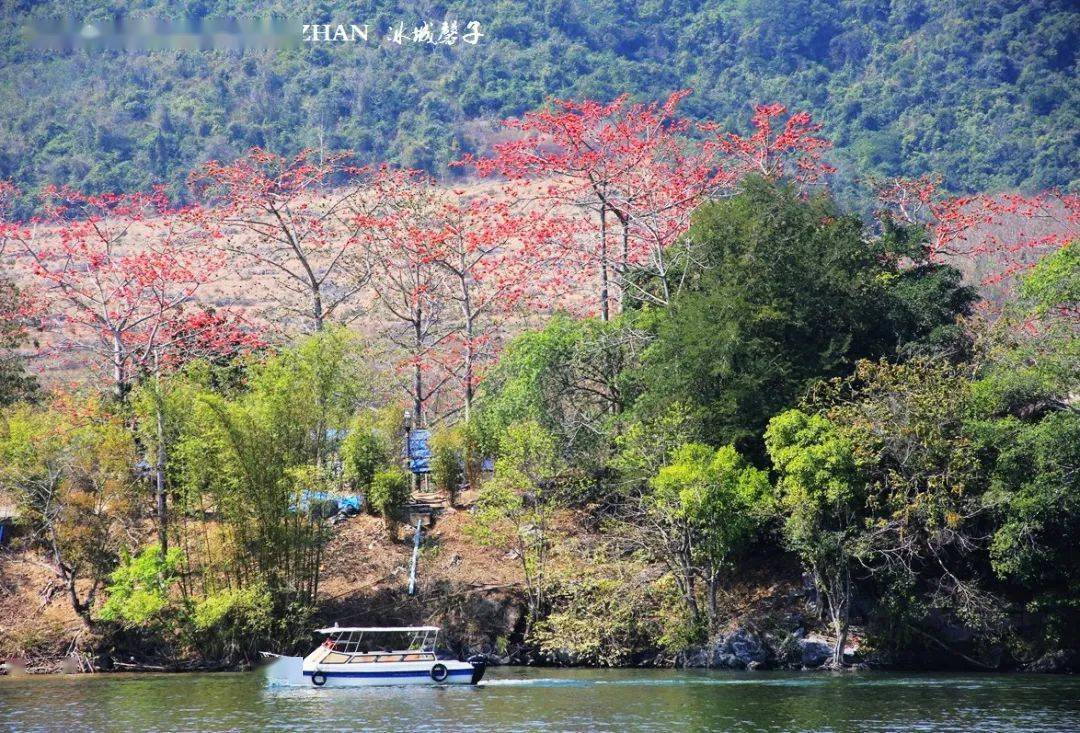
[
  {"x": 982, "y": 92},
  {"x": 68, "y": 465},
  {"x": 369, "y": 445},
  {"x": 515, "y": 506},
  {"x": 1022, "y": 421},
  {"x": 716, "y": 495},
  {"x": 562, "y": 377},
  {"x": 449, "y": 458},
  {"x": 601, "y": 614},
  {"x": 884, "y": 477},
  {"x": 389, "y": 493},
  {"x": 790, "y": 291},
  {"x": 230, "y": 624},
  {"x": 695, "y": 515},
  {"x": 1054, "y": 282},
  {"x": 257, "y": 452},
  {"x": 820, "y": 488},
  {"x": 139, "y": 589},
  {"x": 1037, "y": 490},
  {"x": 644, "y": 446}
]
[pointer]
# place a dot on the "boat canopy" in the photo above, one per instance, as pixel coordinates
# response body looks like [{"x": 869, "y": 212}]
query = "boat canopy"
[{"x": 366, "y": 629}]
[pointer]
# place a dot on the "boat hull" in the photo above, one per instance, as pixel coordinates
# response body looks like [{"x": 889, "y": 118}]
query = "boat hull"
[{"x": 293, "y": 671}]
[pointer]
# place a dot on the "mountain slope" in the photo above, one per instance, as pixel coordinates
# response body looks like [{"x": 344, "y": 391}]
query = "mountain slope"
[{"x": 982, "y": 92}]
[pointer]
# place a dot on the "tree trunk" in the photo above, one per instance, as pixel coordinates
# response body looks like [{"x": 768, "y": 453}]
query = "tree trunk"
[
  {"x": 688, "y": 586},
  {"x": 317, "y": 308},
  {"x": 714, "y": 582},
  {"x": 625, "y": 267},
  {"x": 418, "y": 377},
  {"x": 159, "y": 487},
  {"x": 470, "y": 329},
  {"x": 839, "y": 595},
  {"x": 119, "y": 375},
  {"x": 603, "y": 265}
]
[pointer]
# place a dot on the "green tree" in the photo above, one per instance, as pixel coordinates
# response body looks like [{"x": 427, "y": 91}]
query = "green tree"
[
  {"x": 369, "y": 445},
  {"x": 138, "y": 593},
  {"x": 389, "y": 495},
  {"x": 514, "y": 508},
  {"x": 257, "y": 455},
  {"x": 789, "y": 291},
  {"x": 1053, "y": 285},
  {"x": 882, "y": 477},
  {"x": 450, "y": 459},
  {"x": 1025, "y": 422},
  {"x": 821, "y": 496},
  {"x": 698, "y": 511},
  {"x": 564, "y": 377},
  {"x": 70, "y": 466}
]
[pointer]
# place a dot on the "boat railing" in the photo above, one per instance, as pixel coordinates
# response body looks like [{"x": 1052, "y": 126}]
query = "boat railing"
[{"x": 336, "y": 657}]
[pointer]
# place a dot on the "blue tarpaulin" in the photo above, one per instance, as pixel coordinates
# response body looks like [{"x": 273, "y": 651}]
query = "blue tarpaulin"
[
  {"x": 344, "y": 501},
  {"x": 420, "y": 451}
]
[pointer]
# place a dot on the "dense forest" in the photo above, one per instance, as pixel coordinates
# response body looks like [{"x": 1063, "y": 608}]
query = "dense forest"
[{"x": 980, "y": 92}]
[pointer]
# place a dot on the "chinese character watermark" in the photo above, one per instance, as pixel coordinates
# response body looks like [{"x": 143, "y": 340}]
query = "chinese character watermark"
[{"x": 445, "y": 33}]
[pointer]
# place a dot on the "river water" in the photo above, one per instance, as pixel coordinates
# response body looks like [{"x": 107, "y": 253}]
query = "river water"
[{"x": 521, "y": 699}]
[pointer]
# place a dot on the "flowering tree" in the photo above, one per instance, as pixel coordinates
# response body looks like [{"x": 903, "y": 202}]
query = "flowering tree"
[
  {"x": 635, "y": 166},
  {"x": 280, "y": 214},
  {"x": 604, "y": 159},
  {"x": 117, "y": 278},
  {"x": 655, "y": 204},
  {"x": 493, "y": 258},
  {"x": 401, "y": 239},
  {"x": 1000, "y": 235},
  {"x": 112, "y": 274},
  {"x": 795, "y": 150}
]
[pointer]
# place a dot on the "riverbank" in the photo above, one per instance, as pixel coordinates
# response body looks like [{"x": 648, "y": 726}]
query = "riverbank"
[{"x": 477, "y": 594}]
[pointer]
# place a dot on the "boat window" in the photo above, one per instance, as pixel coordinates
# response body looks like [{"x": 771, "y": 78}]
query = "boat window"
[
  {"x": 334, "y": 658},
  {"x": 349, "y": 642}
]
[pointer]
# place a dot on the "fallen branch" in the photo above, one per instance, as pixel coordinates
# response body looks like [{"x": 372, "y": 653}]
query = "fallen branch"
[{"x": 949, "y": 649}]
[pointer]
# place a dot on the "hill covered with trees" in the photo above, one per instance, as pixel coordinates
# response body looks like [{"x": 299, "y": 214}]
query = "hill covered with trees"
[{"x": 978, "y": 92}]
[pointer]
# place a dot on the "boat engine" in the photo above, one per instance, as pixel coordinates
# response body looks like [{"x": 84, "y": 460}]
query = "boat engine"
[{"x": 479, "y": 664}]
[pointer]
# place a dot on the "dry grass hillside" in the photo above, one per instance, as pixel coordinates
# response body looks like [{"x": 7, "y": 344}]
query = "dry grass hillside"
[{"x": 251, "y": 289}]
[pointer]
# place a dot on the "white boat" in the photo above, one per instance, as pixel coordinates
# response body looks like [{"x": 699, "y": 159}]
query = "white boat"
[{"x": 361, "y": 656}]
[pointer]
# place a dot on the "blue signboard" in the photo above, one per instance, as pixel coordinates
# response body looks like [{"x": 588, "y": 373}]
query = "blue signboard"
[{"x": 420, "y": 451}]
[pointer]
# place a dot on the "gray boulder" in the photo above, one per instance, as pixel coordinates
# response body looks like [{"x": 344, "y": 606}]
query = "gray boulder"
[
  {"x": 736, "y": 650},
  {"x": 815, "y": 651},
  {"x": 746, "y": 646}
]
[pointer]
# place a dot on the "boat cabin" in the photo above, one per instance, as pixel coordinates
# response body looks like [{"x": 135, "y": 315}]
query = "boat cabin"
[{"x": 375, "y": 644}]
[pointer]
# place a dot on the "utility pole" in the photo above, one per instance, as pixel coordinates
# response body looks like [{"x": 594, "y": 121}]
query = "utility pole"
[{"x": 415, "y": 555}]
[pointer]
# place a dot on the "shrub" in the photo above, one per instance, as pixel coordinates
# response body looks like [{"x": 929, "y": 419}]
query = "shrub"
[
  {"x": 389, "y": 494},
  {"x": 448, "y": 462},
  {"x": 601, "y": 609},
  {"x": 138, "y": 590},
  {"x": 231, "y": 624},
  {"x": 364, "y": 452}
]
